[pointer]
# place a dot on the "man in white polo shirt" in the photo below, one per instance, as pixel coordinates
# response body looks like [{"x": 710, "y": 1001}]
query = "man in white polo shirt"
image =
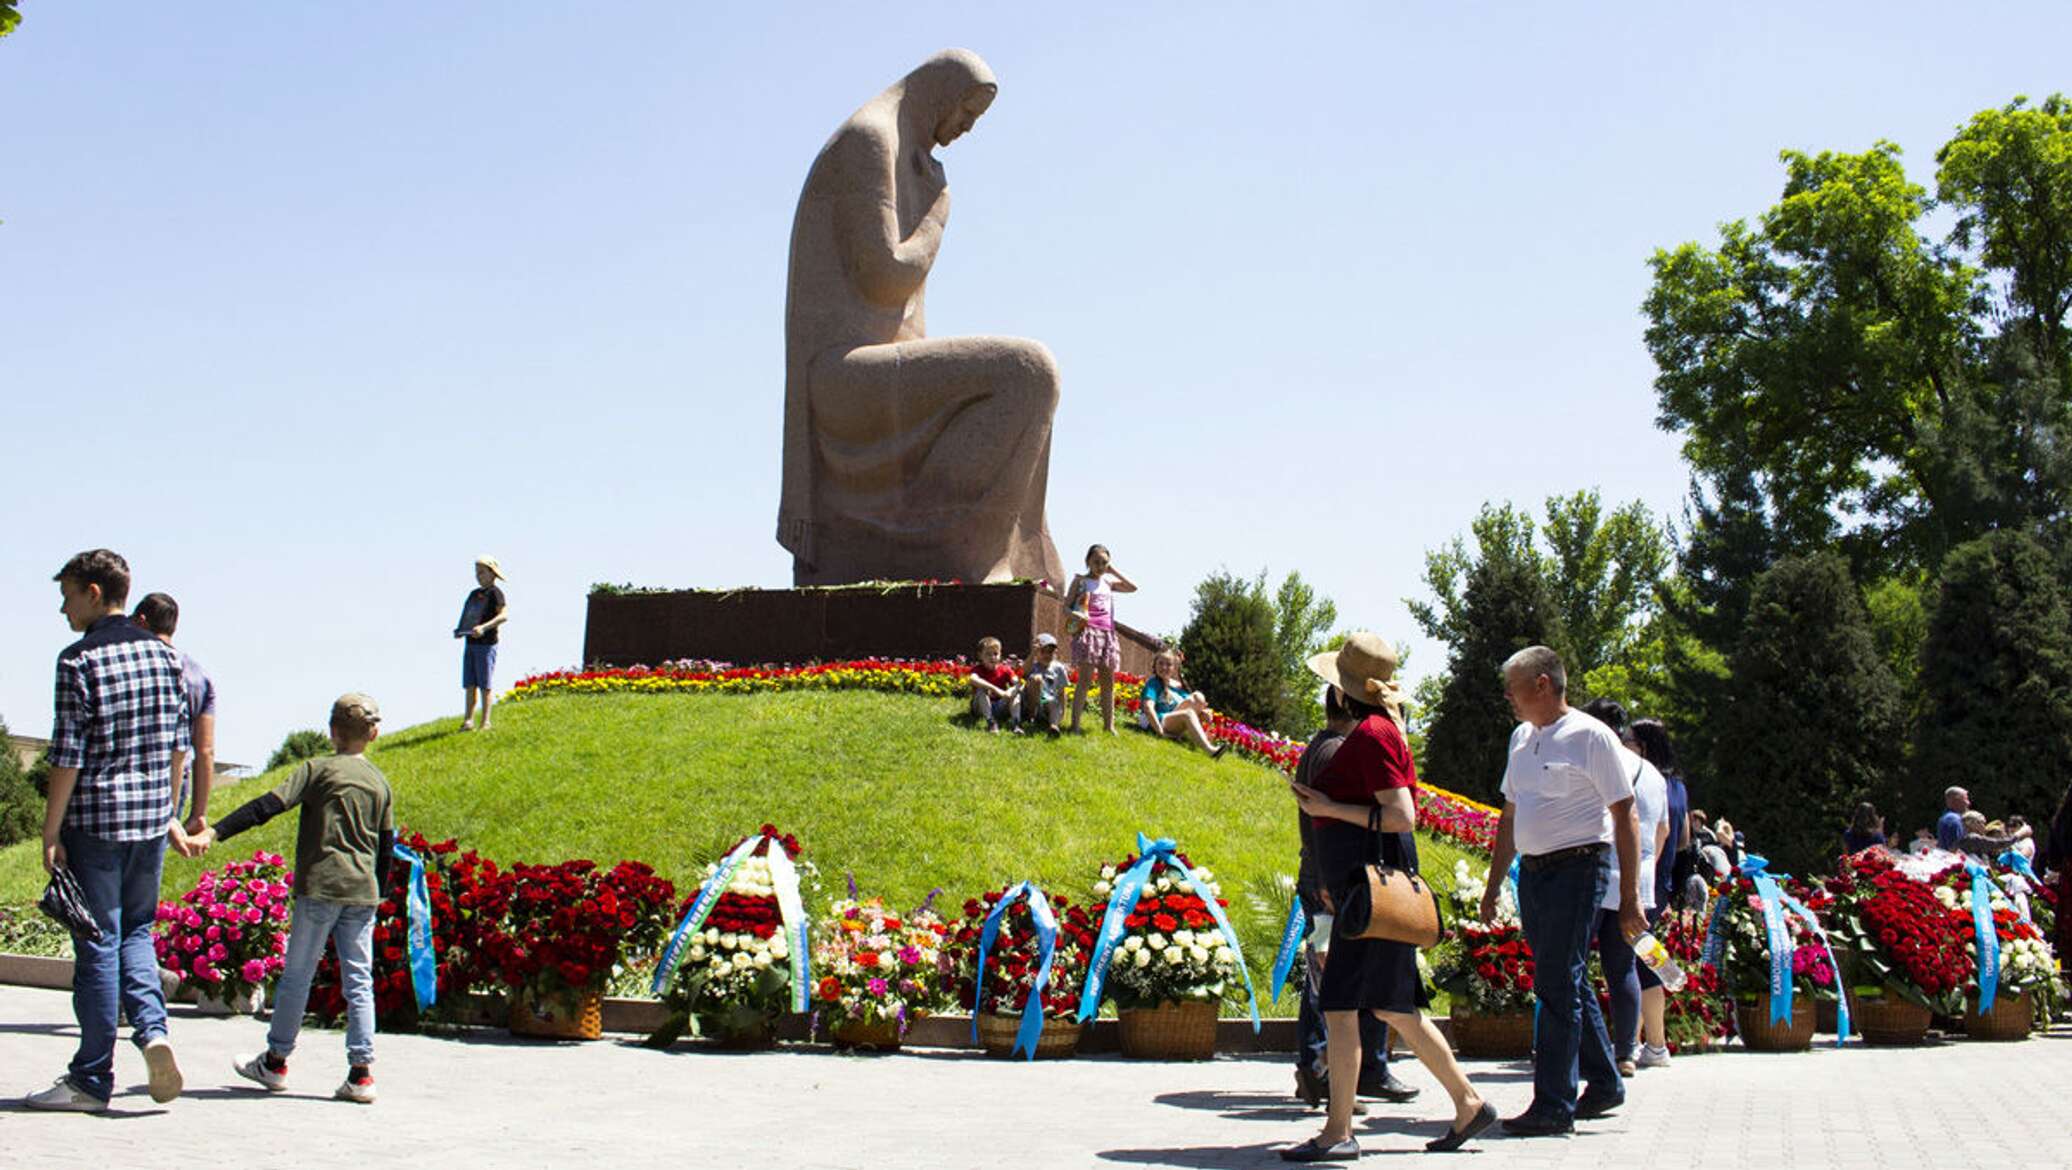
[{"x": 1568, "y": 805}]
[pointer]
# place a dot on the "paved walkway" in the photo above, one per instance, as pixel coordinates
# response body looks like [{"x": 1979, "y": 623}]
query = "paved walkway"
[{"x": 488, "y": 1101}]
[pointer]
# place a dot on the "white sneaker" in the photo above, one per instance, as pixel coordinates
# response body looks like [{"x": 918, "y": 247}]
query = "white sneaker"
[
  {"x": 253, "y": 1068},
  {"x": 1652, "y": 1057},
  {"x": 360, "y": 1092},
  {"x": 63, "y": 1098},
  {"x": 166, "y": 1081}
]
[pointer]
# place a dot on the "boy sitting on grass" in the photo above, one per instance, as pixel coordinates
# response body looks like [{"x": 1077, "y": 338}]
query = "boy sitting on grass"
[
  {"x": 1043, "y": 693},
  {"x": 995, "y": 697},
  {"x": 342, "y": 848}
]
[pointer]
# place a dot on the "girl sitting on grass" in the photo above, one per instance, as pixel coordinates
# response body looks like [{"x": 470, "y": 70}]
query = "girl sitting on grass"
[{"x": 1174, "y": 711}]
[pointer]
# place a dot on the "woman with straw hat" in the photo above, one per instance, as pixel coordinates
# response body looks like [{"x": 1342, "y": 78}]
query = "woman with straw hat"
[{"x": 1363, "y": 805}]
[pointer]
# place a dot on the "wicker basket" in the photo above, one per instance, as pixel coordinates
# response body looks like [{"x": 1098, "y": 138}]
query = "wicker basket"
[
  {"x": 1760, "y": 1035},
  {"x": 1170, "y": 1031},
  {"x": 1828, "y": 1013},
  {"x": 2012, "y": 1018},
  {"x": 1504, "y": 1037},
  {"x": 996, "y": 1033},
  {"x": 554, "y": 1021},
  {"x": 1888, "y": 1019},
  {"x": 872, "y": 1035}
]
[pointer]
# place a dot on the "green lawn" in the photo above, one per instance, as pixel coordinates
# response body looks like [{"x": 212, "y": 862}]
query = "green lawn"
[{"x": 889, "y": 787}]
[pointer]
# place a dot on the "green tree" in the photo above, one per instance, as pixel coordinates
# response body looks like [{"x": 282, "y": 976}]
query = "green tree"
[
  {"x": 2009, "y": 171},
  {"x": 1232, "y": 656},
  {"x": 306, "y": 744},
  {"x": 1491, "y": 605},
  {"x": 21, "y": 808},
  {"x": 9, "y": 18},
  {"x": 1602, "y": 569},
  {"x": 1996, "y": 674},
  {"x": 1812, "y": 713},
  {"x": 1302, "y": 624}
]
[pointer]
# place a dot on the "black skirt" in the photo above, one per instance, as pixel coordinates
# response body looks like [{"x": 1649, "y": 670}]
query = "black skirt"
[{"x": 1365, "y": 974}]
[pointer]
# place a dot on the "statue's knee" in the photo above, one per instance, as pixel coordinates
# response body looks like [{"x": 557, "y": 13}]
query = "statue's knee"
[{"x": 1036, "y": 375}]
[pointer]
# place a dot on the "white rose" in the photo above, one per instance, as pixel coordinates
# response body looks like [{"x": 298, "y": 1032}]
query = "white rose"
[
  {"x": 1203, "y": 875},
  {"x": 1102, "y": 889},
  {"x": 741, "y": 961},
  {"x": 697, "y": 954},
  {"x": 1155, "y": 941},
  {"x": 1107, "y": 873},
  {"x": 1183, "y": 938},
  {"x": 1173, "y": 956},
  {"x": 1142, "y": 958},
  {"x": 1199, "y": 954},
  {"x": 729, "y": 941},
  {"x": 1225, "y": 956},
  {"x": 779, "y": 949},
  {"x": 1165, "y": 885},
  {"x": 762, "y": 959},
  {"x": 711, "y": 935},
  {"x": 1133, "y": 943}
]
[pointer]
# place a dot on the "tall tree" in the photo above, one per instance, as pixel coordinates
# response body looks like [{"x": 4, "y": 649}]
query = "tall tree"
[
  {"x": 2009, "y": 171},
  {"x": 1302, "y": 624},
  {"x": 1812, "y": 719},
  {"x": 1602, "y": 569},
  {"x": 1996, "y": 675},
  {"x": 1491, "y": 605},
  {"x": 1232, "y": 656}
]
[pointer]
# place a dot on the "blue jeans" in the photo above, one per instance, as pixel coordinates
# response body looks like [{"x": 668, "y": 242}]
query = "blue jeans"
[
  {"x": 1310, "y": 1050},
  {"x": 1621, "y": 978},
  {"x": 477, "y": 664},
  {"x": 120, "y": 972},
  {"x": 351, "y": 930},
  {"x": 1558, "y": 908}
]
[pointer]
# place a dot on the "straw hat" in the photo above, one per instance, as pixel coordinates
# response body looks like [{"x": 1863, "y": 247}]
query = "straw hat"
[
  {"x": 496, "y": 571},
  {"x": 1364, "y": 669}
]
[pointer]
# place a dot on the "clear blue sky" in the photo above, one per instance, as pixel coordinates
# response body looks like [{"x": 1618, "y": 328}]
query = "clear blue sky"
[{"x": 302, "y": 306}]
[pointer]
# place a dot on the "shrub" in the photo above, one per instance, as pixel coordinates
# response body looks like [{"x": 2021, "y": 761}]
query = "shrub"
[
  {"x": 1232, "y": 654},
  {"x": 306, "y": 744},
  {"x": 21, "y": 807}
]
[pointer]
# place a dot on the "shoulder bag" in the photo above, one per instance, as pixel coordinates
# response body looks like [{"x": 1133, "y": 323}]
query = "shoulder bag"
[{"x": 1389, "y": 903}]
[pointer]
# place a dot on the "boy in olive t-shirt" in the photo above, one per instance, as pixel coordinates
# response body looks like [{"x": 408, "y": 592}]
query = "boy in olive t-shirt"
[{"x": 342, "y": 846}]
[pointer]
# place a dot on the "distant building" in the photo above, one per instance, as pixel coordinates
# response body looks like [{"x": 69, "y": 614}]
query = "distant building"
[{"x": 28, "y": 747}]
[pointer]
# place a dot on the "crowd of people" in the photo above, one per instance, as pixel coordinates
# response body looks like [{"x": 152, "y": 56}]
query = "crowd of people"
[{"x": 132, "y": 769}]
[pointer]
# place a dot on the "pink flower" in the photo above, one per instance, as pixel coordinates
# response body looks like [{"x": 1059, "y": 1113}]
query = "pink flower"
[
  {"x": 206, "y": 973},
  {"x": 274, "y": 963},
  {"x": 218, "y": 953},
  {"x": 254, "y": 914},
  {"x": 213, "y": 933},
  {"x": 253, "y": 970},
  {"x": 240, "y": 898}
]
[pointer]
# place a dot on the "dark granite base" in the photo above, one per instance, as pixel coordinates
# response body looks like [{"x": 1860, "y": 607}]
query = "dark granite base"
[{"x": 754, "y": 626}]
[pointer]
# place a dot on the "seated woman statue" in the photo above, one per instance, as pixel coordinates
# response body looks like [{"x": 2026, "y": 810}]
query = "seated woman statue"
[
  {"x": 1172, "y": 710},
  {"x": 905, "y": 456}
]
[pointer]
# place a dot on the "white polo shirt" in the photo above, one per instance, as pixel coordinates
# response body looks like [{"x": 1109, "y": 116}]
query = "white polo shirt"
[
  {"x": 1651, "y": 810},
  {"x": 1564, "y": 778}
]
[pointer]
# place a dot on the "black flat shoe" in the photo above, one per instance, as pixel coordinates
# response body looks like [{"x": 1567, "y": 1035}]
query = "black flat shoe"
[
  {"x": 1454, "y": 1139},
  {"x": 1531, "y": 1125},
  {"x": 1591, "y": 1106},
  {"x": 1309, "y": 1151},
  {"x": 1386, "y": 1088}
]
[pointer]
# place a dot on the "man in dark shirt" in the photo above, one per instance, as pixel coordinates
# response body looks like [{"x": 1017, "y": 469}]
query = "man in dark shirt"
[
  {"x": 480, "y": 616},
  {"x": 1949, "y": 828},
  {"x": 117, "y": 747},
  {"x": 1310, "y": 1057}
]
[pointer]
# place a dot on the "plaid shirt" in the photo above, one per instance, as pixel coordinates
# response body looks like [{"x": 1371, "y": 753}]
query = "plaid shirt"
[{"x": 121, "y": 714}]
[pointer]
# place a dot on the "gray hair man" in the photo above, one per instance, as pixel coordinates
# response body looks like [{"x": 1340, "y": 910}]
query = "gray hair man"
[{"x": 1568, "y": 805}]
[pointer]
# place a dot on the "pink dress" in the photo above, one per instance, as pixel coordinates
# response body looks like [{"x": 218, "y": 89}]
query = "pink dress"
[{"x": 1097, "y": 645}]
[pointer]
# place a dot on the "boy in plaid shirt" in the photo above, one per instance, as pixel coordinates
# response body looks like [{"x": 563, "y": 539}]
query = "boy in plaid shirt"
[{"x": 120, "y": 739}]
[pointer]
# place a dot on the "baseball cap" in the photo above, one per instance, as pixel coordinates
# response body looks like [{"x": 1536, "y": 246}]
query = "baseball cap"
[
  {"x": 1046, "y": 639},
  {"x": 354, "y": 707}
]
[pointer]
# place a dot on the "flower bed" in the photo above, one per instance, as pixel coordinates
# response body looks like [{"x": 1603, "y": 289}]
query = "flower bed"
[
  {"x": 1440, "y": 812},
  {"x": 225, "y": 937}
]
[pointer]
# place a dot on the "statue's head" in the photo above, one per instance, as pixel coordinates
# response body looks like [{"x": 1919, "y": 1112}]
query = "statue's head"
[{"x": 950, "y": 91}]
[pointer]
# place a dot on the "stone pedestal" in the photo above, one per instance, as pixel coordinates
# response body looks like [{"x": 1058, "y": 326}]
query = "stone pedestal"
[{"x": 755, "y": 626}]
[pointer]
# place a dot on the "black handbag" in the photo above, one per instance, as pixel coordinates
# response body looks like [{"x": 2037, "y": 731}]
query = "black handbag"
[{"x": 65, "y": 902}]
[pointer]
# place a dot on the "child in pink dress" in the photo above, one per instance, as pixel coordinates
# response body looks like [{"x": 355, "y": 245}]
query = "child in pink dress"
[{"x": 1095, "y": 648}]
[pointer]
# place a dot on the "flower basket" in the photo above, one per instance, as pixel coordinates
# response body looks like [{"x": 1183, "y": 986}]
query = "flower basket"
[
  {"x": 1828, "y": 1016},
  {"x": 870, "y": 1035},
  {"x": 1507, "y": 1036},
  {"x": 1170, "y": 1031},
  {"x": 737, "y": 960},
  {"x": 996, "y": 1034},
  {"x": 226, "y": 938},
  {"x": 244, "y": 1003},
  {"x": 555, "y": 1020},
  {"x": 2012, "y": 1017},
  {"x": 1793, "y": 1035},
  {"x": 1888, "y": 1019}
]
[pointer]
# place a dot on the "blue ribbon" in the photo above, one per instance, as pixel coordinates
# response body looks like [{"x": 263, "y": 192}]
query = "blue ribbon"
[
  {"x": 1777, "y": 934},
  {"x": 424, "y": 962},
  {"x": 1985, "y": 934},
  {"x": 1807, "y": 916},
  {"x": 701, "y": 907},
  {"x": 1123, "y": 901},
  {"x": 1030, "y": 1031},
  {"x": 1291, "y": 941}
]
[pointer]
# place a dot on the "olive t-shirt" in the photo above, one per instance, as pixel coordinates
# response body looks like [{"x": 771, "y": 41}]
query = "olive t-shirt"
[{"x": 346, "y": 806}]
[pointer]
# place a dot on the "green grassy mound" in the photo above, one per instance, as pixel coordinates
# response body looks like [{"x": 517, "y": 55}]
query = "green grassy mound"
[{"x": 891, "y": 788}]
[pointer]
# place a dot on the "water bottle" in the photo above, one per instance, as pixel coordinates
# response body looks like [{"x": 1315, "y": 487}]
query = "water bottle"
[{"x": 1650, "y": 950}]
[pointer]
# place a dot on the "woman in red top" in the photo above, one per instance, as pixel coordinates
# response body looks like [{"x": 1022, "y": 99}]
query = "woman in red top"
[{"x": 1364, "y": 807}]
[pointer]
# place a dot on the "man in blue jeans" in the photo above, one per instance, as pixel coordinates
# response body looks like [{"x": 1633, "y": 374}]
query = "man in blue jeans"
[
  {"x": 119, "y": 741},
  {"x": 1568, "y": 803}
]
